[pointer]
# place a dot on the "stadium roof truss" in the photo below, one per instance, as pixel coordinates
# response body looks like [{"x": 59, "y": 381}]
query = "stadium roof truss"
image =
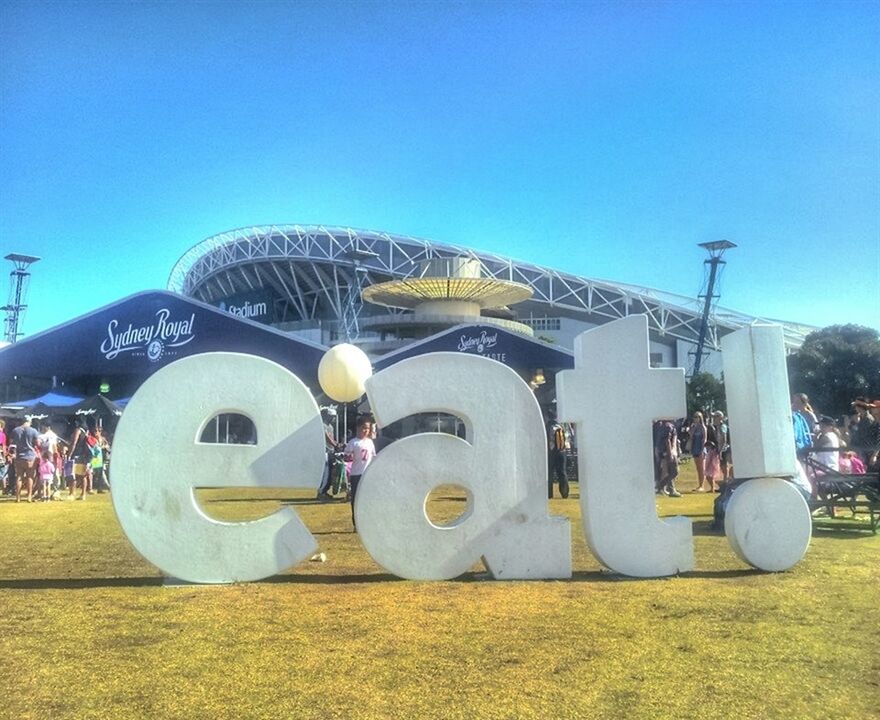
[{"x": 308, "y": 265}]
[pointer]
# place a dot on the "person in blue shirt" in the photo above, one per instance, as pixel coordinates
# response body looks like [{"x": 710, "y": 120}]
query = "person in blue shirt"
[
  {"x": 803, "y": 438},
  {"x": 25, "y": 439}
]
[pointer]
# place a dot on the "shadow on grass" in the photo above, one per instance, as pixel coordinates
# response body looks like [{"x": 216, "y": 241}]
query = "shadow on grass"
[
  {"x": 722, "y": 574},
  {"x": 346, "y": 531},
  {"x": 78, "y": 583},
  {"x": 91, "y": 583},
  {"x": 847, "y": 529},
  {"x": 839, "y": 529},
  {"x": 704, "y": 527},
  {"x": 588, "y": 576},
  {"x": 331, "y": 579},
  {"x": 283, "y": 501},
  {"x": 314, "y": 501},
  {"x": 608, "y": 576}
]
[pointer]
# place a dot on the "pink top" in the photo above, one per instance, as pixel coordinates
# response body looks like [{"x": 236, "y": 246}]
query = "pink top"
[{"x": 47, "y": 470}]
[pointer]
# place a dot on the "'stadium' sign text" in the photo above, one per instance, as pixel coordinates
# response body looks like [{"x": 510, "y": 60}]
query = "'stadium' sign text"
[
  {"x": 612, "y": 395},
  {"x": 247, "y": 309}
]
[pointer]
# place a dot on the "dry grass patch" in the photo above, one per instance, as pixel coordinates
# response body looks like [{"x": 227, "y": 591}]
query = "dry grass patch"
[{"x": 91, "y": 633}]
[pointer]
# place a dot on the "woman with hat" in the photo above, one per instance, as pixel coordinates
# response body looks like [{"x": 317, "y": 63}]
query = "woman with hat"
[{"x": 716, "y": 444}]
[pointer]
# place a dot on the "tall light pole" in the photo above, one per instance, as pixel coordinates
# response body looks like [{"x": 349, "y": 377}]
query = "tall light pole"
[
  {"x": 716, "y": 250},
  {"x": 18, "y": 286}
]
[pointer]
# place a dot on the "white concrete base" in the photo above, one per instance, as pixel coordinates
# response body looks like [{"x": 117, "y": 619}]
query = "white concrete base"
[{"x": 768, "y": 524}]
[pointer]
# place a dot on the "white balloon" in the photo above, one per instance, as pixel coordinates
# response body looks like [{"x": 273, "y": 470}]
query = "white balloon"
[{"x": 343, "y": 371}]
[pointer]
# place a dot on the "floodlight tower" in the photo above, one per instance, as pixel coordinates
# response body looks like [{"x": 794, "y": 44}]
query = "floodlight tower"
[
  {"x": 716, "y": 250},
  {"x": 352, "y": 303},
  {"x": 18, "y": 286}
]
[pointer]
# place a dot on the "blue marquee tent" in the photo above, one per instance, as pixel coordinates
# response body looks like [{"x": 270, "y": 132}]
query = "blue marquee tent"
[
  {"x": 50, "y": 399},
  {"x": 518, "y": 351}
]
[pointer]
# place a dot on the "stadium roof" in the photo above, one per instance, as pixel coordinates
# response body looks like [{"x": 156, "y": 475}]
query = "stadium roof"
[{"x": 308, "y": 263}]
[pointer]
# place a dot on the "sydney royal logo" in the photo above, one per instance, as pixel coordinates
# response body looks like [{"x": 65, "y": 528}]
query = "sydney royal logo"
[
  {"x": 483, "y": 344},
  {"x": 479, "y": 343},
  {"x": 153, "y": 341}
]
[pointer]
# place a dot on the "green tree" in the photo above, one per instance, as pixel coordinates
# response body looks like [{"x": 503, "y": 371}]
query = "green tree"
[
  {"x": 705, "y": 393},
  {"x": 835, "y": 365}
]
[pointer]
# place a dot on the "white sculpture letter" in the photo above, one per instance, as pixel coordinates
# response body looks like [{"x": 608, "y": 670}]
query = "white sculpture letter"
[
  {"x": 502, "y": 465},
  {"x": 158, "y": 461},
  {"x": 767, "y": 520},
  {"x": 613, "y": 395},
  {"x": 758, "y": 402}
]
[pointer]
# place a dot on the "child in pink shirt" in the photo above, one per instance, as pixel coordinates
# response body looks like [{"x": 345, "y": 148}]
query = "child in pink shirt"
[{"x": 46, "y": 474}]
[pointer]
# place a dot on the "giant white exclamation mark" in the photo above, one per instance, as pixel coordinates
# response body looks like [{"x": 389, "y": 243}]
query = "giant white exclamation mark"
[{"x": 767, "y": 522}]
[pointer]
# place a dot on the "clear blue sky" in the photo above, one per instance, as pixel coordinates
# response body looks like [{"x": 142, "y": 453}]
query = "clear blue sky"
[{"x": 604, "y": 139}]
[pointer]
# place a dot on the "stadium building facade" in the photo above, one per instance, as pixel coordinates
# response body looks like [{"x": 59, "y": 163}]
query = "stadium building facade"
[{"x": 315, "y": 282}]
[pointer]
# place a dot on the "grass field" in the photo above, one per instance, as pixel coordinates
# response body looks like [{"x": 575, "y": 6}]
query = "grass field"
[{"x": 90, "y": 632}]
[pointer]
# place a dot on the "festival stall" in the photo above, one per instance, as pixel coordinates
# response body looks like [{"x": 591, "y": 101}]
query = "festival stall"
[{"x": 115, "y": 348}]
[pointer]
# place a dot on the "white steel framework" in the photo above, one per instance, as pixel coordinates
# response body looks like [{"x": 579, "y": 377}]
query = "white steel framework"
[{"x": 313, "y": 269}]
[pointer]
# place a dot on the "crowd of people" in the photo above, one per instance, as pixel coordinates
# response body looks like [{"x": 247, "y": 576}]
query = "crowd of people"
[
  {"x": 708, "y": 443},
  {"x": 347, "y": 461},
  {"x": 40, "y": 465},
  {"x": 849, "y": 446}
]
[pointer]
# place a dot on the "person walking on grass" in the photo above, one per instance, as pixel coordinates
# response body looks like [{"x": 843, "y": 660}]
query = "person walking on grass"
[
  {"x": 716, "y": 444},
  {"x": 81, "y": 443},
  {"x": 48, "y": 441},
  {"x": 4, "y": 462},
  {"x": 46, "y": 475},
  {"x": 330, "y": 445},
  {"x": 360, "y": 451},
  {"x": 97, "y": 462},
  {"x": 556, "y": 456},
  {"x": 665, "y": 458},
  {"x": 66, "y": 470},
  {"x": 698, "y": 449},
  {"x": 24, "y": 437}
]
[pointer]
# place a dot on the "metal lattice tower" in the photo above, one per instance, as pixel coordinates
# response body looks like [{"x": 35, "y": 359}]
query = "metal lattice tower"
[
  {"x": 713, "y": 264},
  {"x": 19, "y": 279},
  {"x": 352, "y": 303}
]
